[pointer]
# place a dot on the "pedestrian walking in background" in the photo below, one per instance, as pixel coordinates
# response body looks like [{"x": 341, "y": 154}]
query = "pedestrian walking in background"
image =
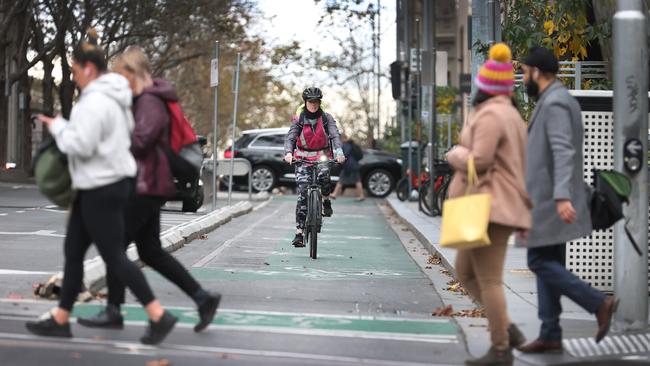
[
  {"x": 96, "y": 140},
  {"x": 495, "y": 136},
  {"x": 560, "y": 213},
  {"x": 154, "y": 184},
  {"x": 350, "y": 171}
]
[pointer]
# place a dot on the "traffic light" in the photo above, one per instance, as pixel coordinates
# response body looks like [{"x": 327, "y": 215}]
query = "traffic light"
[{"x": 396, "y": 79}]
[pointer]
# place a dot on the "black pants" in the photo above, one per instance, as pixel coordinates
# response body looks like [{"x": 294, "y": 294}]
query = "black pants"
[
  {"x": 143, "y": 227},
  {"x": 97, "y": 216}
]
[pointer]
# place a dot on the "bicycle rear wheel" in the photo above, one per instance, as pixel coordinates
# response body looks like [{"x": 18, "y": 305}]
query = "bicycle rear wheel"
[
  {"x": 402, "y": 189},
  {"x": 315, "y": 220},
  {"x": 425, "y": 200},
  {"x": 441, "y": 193}
]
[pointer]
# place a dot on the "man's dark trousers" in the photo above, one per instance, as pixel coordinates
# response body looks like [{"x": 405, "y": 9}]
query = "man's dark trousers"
[{"x": 553, "y": 281}]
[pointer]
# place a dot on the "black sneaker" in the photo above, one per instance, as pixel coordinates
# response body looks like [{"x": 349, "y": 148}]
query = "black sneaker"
[
  {"x": 110, "y": 317},
  {"x": 207, "y": 310},
  {"x": 157, "y": 331},
  {"x": 298, "y": 241},
  {"x": 327, "y": 208},
  {"x": 49, "y": 328}
]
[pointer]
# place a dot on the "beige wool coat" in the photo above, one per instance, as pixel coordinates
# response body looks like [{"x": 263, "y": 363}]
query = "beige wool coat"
[{"x": 495, "y": 134}]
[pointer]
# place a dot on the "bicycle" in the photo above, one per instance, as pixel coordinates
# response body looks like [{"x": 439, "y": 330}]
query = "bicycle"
[
  {"x": 441, "y": 181},
  {"x": 401, "y": 188},
  {"x": 314, "y": 220}
]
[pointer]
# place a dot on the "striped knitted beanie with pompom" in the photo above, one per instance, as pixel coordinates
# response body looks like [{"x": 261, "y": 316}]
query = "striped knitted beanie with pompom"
[{"x": 497, "y": 75}]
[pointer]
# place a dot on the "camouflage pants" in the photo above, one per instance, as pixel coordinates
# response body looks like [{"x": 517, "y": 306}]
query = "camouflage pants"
[{"x": 303, "y": 179}]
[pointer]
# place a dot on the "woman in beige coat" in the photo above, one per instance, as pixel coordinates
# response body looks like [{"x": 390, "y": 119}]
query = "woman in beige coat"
[{"x": 495, "y": 136}]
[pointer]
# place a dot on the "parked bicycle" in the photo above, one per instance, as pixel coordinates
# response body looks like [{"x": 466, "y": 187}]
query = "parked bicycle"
[
  {"x": 314, "y": 220},
  {"x": 443, "y": 174},
  {"x": 402, "y": 186}
]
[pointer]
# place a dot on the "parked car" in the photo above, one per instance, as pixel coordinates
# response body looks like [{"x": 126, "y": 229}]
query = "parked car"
[
  {"x": 192, "y": 196},
  {"x": 264, "y": 148}
]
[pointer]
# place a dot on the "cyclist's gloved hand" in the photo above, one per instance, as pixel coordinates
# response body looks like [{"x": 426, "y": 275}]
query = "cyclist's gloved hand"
[{"x": 288, "y": 158}]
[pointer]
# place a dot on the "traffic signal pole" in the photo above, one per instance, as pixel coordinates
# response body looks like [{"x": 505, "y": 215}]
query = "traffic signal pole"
[{"x": 630, "y": 147}]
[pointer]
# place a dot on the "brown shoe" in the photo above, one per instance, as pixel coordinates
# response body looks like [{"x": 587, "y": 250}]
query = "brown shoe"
[
  {"x": 541, "y": 346},
  {"x": 604, "y": 316}
]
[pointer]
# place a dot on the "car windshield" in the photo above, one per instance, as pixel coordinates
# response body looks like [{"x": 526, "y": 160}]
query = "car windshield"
[{"x": 269, "y": 141}]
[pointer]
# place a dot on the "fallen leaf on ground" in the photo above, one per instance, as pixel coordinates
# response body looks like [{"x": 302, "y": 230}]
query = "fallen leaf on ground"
[
  {"x": 161, "y": 362},
  {"x": 203, "y": 237},
  {"x": 446, "y": 311},
  {"x": 434, "y": 259},
  {"x": 470, "y": 313},
  {"x": 455, "y": 286}
]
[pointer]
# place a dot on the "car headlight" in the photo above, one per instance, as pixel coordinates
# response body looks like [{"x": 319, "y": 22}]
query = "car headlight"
[{"x": 399, "y": 161}]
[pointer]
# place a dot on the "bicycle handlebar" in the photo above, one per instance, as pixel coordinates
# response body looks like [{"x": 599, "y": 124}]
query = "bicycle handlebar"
[{"x": 328, "y": 161}]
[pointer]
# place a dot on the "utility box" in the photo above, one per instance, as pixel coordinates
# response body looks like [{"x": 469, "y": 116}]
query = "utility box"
[{"x": 592, "y": 257}]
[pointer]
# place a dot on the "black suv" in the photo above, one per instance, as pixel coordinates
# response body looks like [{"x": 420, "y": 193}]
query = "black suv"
[{"x": 264, "y": 148}]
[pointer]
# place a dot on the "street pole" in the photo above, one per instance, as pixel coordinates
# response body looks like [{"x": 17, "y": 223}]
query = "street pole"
[
  {"x": 235, "y": 89},
  {"x": 430, "y": 47},
  {"x": 378, "y": 67},
  {"x": 418, "y": 103},
  {"x": 486, "y": 28},
  {"x": 409, "y": 92},
  {"x": 214, "y": 82},
  {"x": 630, "y": 146}
]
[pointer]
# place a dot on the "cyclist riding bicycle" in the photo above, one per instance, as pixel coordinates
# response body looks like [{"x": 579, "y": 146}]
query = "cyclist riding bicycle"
[{"x": 313, "y": 134}]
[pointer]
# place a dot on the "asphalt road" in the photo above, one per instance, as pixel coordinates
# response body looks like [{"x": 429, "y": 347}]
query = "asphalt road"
[{"x": 363, "y": 301}]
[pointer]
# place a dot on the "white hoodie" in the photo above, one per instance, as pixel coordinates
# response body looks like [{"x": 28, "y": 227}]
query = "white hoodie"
[{"x": 97, "y": 139}]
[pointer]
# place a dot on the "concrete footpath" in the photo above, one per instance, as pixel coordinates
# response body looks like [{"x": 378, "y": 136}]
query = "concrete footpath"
[{"x": 579, "y": 327}]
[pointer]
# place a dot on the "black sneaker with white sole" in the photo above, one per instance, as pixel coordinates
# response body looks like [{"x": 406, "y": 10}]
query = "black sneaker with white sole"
[
  {"x": 298, "y": 241},
  {"x": 327, "y": 208}
]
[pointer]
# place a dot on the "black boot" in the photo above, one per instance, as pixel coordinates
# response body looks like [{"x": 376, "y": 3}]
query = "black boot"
[
  {"x": 298, "y": 241},
  {"x": 110, "y": 317},
  {"x": 493, "y": 357},
  {"x": 49, "y": 328},
  {"x": 327, "y": 208},
  {"x": 207, "y": 310},
  {"x": 515, "y": 336},
  {"x": 157, "y": 331}
]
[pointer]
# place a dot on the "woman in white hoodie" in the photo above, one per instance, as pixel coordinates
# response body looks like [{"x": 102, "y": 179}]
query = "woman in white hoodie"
[{"x": 97, "y": 140}]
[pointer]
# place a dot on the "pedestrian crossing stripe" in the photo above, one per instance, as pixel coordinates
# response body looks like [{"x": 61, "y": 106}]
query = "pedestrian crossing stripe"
[
  {"x": 620, "y": 344},
  {"x": 440, "y": 330}
]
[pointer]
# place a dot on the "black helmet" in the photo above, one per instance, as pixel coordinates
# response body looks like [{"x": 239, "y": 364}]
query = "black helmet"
[{"x": 312, "y": 93}]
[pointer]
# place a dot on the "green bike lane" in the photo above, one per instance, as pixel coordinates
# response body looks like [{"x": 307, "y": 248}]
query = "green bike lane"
[{"x": 364, "y": 298}]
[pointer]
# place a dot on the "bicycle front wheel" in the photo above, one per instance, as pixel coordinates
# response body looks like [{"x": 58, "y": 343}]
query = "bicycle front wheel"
[{"x": 315, "y": 220}]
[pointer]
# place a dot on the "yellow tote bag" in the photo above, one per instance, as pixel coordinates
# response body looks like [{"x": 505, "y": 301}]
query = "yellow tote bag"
[{"x": 465, "y": 219}]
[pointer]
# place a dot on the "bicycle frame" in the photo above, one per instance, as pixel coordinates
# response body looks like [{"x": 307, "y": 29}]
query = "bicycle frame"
[{"x": 314, "y": 219}]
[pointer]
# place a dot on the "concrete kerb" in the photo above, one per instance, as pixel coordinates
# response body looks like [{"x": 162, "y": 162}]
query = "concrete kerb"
[
  {"x": 428, "y": 244},
  {"x": 171, "y": 239}
]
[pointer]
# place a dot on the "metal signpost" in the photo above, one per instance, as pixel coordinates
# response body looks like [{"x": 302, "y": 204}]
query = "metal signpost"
[
  {"x": 630, "y": 146},
  {"x": 214, "y": 83},
  {"x": 235, "y": 89}
]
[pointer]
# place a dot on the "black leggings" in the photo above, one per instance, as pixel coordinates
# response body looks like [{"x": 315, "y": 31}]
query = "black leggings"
[
  {"x": 97, "y": 216},
  {"x": 143, "y": 227}
]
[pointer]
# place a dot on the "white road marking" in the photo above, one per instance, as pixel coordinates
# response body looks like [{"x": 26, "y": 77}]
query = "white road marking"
[
  {"x": 18, "y": 272},
  {"x": 135, "y": 348},
  {"x": 37, "y": 233},
  {"x": 228, "y": 242},
  {"x": 3, "y": 214}
]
